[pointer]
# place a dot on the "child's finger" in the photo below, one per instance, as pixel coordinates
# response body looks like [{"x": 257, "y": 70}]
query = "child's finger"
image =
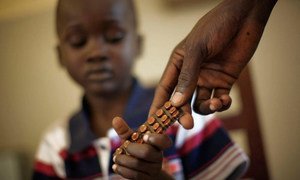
[
  {"x": 121, "y": 127},
  {"x": 137, "y": 164},
  {"x": 146, "y": 152},
  {"x": 129, "y": 173},
  {"x": 160, "y": 141}
]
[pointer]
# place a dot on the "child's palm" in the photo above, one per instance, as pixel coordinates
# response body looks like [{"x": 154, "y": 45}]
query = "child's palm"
[{"x": 143, "y": 161}]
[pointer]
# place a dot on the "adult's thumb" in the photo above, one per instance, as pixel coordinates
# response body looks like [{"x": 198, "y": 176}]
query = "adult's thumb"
[{"x": 187, "y": 82}]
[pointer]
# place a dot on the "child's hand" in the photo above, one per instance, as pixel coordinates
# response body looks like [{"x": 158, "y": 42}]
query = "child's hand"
[{"x": 145, "y": 160}]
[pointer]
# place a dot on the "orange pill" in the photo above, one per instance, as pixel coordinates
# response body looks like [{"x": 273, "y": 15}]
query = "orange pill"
[
  {"x": 159, "y": 130},
  {"x": 151, "y": 120},
  {"x": 142, "y": 128},
  {"x": 172, "y": 110},
  {"x": 164, "y": 118},
  {"x": 140, "y": 141},
  {"x": 155, "y": 126},
  {"x": 175, "y": 114},
  {"x": 135, "y": 136},
  {"x": 119, "y": 151},
  {"x": 167, "y": 105},
  {"x": 159, "y": 113},
  {"x": 167, "y": 122},
  {"x": 126, "y": 143}
]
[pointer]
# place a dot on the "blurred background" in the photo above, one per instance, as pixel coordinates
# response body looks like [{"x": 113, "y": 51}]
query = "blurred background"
[{"x": 35, "y": 90}]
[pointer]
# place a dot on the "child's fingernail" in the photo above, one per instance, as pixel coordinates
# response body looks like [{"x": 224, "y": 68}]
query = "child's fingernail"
[
  {"x": 177, "y": 98},
  {"x": 114, "y": 167},
  {"x": 212, "y": 107},
  {"x": 114, "y": 159},
  {"x": 146, "y": 137}
]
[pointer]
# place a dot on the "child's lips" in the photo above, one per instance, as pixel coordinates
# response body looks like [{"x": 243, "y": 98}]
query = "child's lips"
[{"x": 100, "y": 75}]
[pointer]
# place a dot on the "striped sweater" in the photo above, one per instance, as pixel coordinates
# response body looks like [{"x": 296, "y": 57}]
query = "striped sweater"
[{"x": 70, "y": 150}]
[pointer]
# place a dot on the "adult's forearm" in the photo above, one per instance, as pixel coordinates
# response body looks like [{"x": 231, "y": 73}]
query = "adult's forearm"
[{"x": 262, "y": 10}]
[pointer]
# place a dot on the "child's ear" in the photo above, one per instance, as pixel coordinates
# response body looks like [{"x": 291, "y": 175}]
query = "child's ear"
[
  {"x": 59, "y": 56},
  {"x": 140, "y": 45}
]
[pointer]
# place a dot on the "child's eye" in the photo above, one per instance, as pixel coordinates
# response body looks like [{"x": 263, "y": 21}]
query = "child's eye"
[
  {"x": 114, "y": 36},
  {"x": 77, "y": 41}
]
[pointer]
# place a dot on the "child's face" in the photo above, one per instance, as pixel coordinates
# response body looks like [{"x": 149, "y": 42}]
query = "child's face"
[{"x": 98, "y": 43}]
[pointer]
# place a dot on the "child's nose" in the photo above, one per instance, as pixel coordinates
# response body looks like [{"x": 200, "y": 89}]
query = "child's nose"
[{"x": 98, "y": 49}]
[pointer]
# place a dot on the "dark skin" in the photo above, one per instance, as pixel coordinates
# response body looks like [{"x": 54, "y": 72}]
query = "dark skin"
[
  {"x": 211, "y": 57},
  {"x": 145, "y": 160},
  {"x": 98, "y": 43}
]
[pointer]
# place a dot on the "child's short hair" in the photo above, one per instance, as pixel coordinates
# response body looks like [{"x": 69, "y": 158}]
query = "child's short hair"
[{"x": 59, "y": 9}]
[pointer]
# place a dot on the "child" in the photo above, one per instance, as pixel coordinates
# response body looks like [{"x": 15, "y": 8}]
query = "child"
[{"x": 98, "y": 44}]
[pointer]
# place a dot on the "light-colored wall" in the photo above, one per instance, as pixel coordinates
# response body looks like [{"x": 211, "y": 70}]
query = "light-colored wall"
[
  {"x": 276, "y": 70},
  {"x": 35, "y": 90}
]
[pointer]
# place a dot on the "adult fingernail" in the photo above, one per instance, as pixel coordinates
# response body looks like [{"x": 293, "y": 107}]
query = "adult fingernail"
[
  {"x": 114, "y": 159},
  {"x": 212, "y": 107},
  {"x": 146, "y": 138},
  {"x": 177, "y": 98}
]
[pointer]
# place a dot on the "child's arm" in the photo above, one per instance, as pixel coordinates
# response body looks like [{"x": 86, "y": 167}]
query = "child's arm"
[{"x": 141, "y": 161}]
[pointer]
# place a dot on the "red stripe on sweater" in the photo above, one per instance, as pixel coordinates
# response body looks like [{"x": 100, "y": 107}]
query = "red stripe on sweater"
[
  {"x": 215, "y": 158},
  {"x": 195, "y": 140},
  {"x": 87, "y": 153},
  {"x": 230, "y": 161},
  {"x": 44, "y": 168},
  {"x": 172, "y": 130}
]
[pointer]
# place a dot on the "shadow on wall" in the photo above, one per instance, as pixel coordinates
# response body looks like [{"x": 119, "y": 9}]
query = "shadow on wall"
[{"x": 14, "y": 166}]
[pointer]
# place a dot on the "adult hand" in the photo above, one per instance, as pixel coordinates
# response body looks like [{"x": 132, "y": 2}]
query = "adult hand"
[
  {"x": 212, "y": 56},
  {"x": 145, "y": 160}
]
